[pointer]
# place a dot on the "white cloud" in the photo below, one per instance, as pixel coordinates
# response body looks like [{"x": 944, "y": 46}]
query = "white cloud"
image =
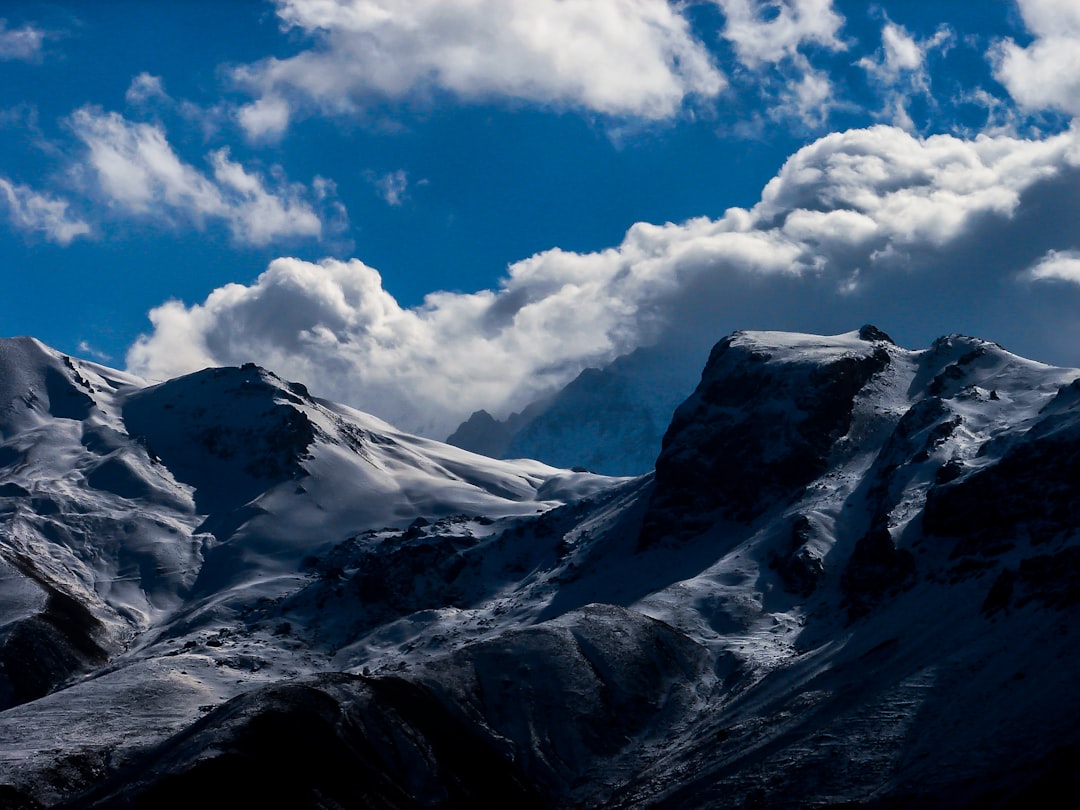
[
  {"x": 770, "y": 38},
  {"x": 34, "y": 211},
  {"x": 1046, "y": 73},
  {"x": 846, "y": 220},
  {"x": 899, "y": 52},
  {"x": 634, "y": 58},
  {"x": 147, "y": 92},
  {"x": 1057, "y": 265},
  {"x": 138, "y": 172},
  {"x": 86, "y": 350},
  {"x": 20, "y": 44},
  {"x": 265, "y": 119},
  {"x": 769, "y": 31},
  {"x": 808, "y": 99},
  {"x": 145, "y": 87},
  {"x": 899, "y": 69},
  {"x": 392, "y": 186}
]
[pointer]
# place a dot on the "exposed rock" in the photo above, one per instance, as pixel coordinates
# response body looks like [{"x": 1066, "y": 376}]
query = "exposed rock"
[
  {"x": 759, "y": 428},
  {"x": 800, "y": 566},
  {"x": 876, "y": 570},
  {"x": 41, "y": 651}
]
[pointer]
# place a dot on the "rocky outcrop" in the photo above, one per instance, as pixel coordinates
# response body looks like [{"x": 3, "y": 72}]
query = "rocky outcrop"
[{"x": 760, "y": 427}]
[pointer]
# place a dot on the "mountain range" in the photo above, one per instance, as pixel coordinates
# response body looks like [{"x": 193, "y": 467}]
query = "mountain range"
[{"x": 851, "y": 579}]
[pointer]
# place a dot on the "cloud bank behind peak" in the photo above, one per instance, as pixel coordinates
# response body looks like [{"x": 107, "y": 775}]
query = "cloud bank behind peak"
[{"x": 939, "y": 233}]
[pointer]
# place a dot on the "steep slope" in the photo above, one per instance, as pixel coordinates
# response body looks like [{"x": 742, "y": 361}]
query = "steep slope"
[
  {"x": 526, "y": 718},
  {"x": 97, "y": 542},
  {"x": 867, "y": 574},
  {"x": 761, "y": 425}
]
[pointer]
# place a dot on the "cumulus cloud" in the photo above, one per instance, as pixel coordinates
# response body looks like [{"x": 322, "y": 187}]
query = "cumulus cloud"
[
  {"x": 135, "y": 168},
  {"x": 856, "y": 225},
  {"x": 764, "y": 31},
  {"x": 37, "y": 212},
  {"x": 1057, "y": 265},
  {"x": 634, "y": 58},
  {"x": 20, "y": 44},
  {"x": 1046, "y": 73}
]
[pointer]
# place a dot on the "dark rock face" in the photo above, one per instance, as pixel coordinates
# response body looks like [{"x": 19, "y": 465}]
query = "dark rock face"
[
  {"x": 484, "y": 434},
  {"x": 1029, "y": 492},
  {"x": 756, "y": 431},
  {"x": 420, "y": 569},
  {"x": 39, "y": 652},
  {"x": 452, "y": 738},
  {"x": 335, "y": 741},
  {"x": 800, "y": 568},
  {"x": 871, "y": 333},
  {"x": 876, "y": 570}
]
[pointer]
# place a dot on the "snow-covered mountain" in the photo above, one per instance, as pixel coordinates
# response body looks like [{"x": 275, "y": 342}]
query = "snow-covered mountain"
[
  {"x": 852, "y": 580},
  {"x": 609, "y": 420}
]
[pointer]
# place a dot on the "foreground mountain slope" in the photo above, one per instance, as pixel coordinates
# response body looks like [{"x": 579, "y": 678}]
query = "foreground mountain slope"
[
  {"x": 851, "y": 580},
  {"x": 133, "y": 516}
]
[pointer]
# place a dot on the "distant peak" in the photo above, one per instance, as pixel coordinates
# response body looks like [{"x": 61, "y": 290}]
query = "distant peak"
[{"x": 480, "y": 417}]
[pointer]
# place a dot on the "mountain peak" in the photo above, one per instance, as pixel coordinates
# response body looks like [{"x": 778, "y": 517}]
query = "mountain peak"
[
  {"x": 760, "y": 426},
  {"x": 871, "y": 333}
]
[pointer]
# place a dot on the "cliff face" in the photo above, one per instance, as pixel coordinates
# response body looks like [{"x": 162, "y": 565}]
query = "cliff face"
[{"x": 762, "y": 424}]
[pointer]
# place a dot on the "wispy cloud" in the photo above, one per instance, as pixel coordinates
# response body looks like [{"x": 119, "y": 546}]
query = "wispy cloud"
[
  {"x": 771, "y": 39},
  {"x": 770, "y": 32},
  {"x": 22, "y": 44},
  {"x": 37, "y": 212},
  {"x": 392, "y": 186},
  {"x": 899, "y": 69},
  {"x": 1063, "y": 265},
  {"x": 144, "y": 88},
  {"x": 87, "y": 350}
]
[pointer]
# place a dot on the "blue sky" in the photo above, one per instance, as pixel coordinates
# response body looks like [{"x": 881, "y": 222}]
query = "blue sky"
[{"x": 425, "y": 208}]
